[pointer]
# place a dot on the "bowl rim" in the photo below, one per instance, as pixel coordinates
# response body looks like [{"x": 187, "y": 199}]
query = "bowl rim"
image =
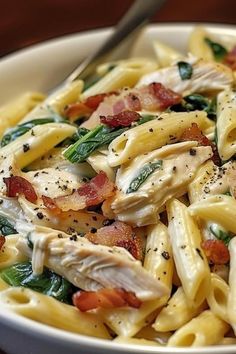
[
  {"x": 26, "y": 325},
  {"x": 106, "y": 30}
]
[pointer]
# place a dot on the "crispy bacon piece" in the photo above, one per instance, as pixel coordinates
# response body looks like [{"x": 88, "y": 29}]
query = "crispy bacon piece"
[
  {"x": 18, "y": 185},
  {"x": 133, "y": 102},
  {"x": 194, "y": 133},
  {"x": 92, "y": 193},
  {"x": 86, "y": 107},
  {"x": 2, "y": 241},
  {"x": 150, "y": 97},
  {"x": 216, "y": 251},
  {"x": 164, "y": 96},
  {"x": 105, "y": 298},
  {"x": 49, "y": 204},
  {"x": 75, "y": 110},
  {"x": 94, "y": 101},
  {"x": 118, "y": 234},
  {"x": 106, "y": 208},
  {"x": 230, "y": 59},
  {"x": 122, "y": 119}
]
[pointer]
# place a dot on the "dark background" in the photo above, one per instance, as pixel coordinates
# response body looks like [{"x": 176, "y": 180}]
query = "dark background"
[{"x": 25, "y": 22}]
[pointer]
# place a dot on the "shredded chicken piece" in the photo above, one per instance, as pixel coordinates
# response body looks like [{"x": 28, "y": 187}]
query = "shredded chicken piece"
[{"x": 87, "y": 266}]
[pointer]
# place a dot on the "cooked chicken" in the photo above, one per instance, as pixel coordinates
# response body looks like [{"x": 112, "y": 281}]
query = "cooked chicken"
[
  {"x": 206, "y": 76},
  {"x": 215, "y": 180},
  {"x": 87, "y": 266},
  {"x": 52, "y": 182},
  {"x": 179, "y": 163}
]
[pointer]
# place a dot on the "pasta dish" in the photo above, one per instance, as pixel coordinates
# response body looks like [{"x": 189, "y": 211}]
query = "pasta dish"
[{"x": 117, "y": 200}]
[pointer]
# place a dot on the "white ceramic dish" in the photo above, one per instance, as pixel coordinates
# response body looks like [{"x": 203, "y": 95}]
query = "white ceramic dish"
[{"x": 41, "y": 67}]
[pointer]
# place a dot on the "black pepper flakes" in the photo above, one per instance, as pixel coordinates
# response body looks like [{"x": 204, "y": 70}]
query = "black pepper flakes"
[
  {"x": 40, "y": 215},
  {"x": 199, "y": 253},
  {"x": 192, "y": 152},
  {"x": 26, "y": 147},
  {"x": 165, "y": 255},
  {"x": 108, "y": 222},
  {"x": 93, "y": 230},
  {"x": 73, "y": 238}
]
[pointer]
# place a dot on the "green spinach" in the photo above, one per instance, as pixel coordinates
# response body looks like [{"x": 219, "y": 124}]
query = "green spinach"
[
  {"x": 185, "y": 70},
  {"x": 218, "y": 50},
  {"x": 23, "y": 128},
  {"x": 6, "y": 228},
  {"x": 87, "y": 144},
  {"x": 49, "y": 283},
  {"x": 144, "y": 173},
  {"x": 220, "y": 234}
]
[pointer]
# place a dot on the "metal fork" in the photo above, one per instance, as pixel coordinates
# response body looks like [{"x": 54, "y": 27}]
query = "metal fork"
[{"x": 137, "y": 15}]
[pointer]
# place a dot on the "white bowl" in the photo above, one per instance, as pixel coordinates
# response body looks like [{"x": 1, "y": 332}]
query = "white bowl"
[{"x": 41, "y": 67}]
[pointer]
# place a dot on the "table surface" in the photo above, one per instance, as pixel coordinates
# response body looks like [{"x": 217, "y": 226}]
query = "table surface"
[{"x": 25, "y": 22}]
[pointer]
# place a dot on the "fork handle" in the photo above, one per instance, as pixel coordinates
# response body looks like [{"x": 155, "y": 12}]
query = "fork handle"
[{"x": 137, "y": 15}]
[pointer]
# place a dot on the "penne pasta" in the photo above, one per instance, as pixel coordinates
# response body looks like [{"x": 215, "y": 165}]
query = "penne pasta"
[
  {"x": 12, "y": 112},
  {"x": 165, "y": 129},
  {"x": 126, "y": 73},
  {"x": 176, "y": 313},
  {"x": 216, "y": 208},
  {"x": 217, "y": 298},
  {"x": 206, "y": 329},
  {"x": 190, "y": 261},
  {"x": 226, "y": 124},
  {"x": 45, "y": 309}
]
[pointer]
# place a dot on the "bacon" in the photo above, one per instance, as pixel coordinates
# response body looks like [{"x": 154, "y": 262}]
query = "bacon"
[
  {"x": 122, "y": 119},
  {"x": 230, "y": 59},
  {"x": 94, "y": 101},
  {"x": 216, "y": 251},
  {"x": 105, "y": 298},
  {"x": 153, "y": 97},
  {"x": 118, "y": 234},
  {"x": 86, "y": 107},
  {"x": 106, "y": 208},
  {"x": 18, "y": 185},
  {"x": 2, "y": 241},
  {"x": 133, "y": 102},
  {"x": 92, "y": 193},
  {"x": 165, "y": 97},
  {"x": 194, "y": 133},
  {"x": 75, "y": 110},
  {"x": 49, "y": 204}
]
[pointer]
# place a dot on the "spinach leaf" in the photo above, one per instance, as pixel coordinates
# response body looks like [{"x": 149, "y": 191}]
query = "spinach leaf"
[
  {"x": 49, "y": 283},
  {"x": 197, "y": 101},
  {"x": 75, "y": 137},
  {"x": 220, "y": 234},
  {"x": 211, "y": 109},
  {"x": 194, "y": 102},
  {"x": 6, "y": 228},
  {"x": 185, "y": 70},
  {"x": 23, "y": 128},
  {"x": 83, "y": 148},
  {"x": 218, "y": 50},
  {"x": 145, "y": 172},
  {"x": 144, "y": 119}
]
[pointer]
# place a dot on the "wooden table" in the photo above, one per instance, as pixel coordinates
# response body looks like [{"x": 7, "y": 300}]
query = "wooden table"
[{"x": 25, "y": 22}]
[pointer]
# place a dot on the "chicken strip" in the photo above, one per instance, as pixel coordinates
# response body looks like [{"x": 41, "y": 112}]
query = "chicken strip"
[
  {"x": 206, "y": 76},
  {"x": 86, "y": 265}
]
